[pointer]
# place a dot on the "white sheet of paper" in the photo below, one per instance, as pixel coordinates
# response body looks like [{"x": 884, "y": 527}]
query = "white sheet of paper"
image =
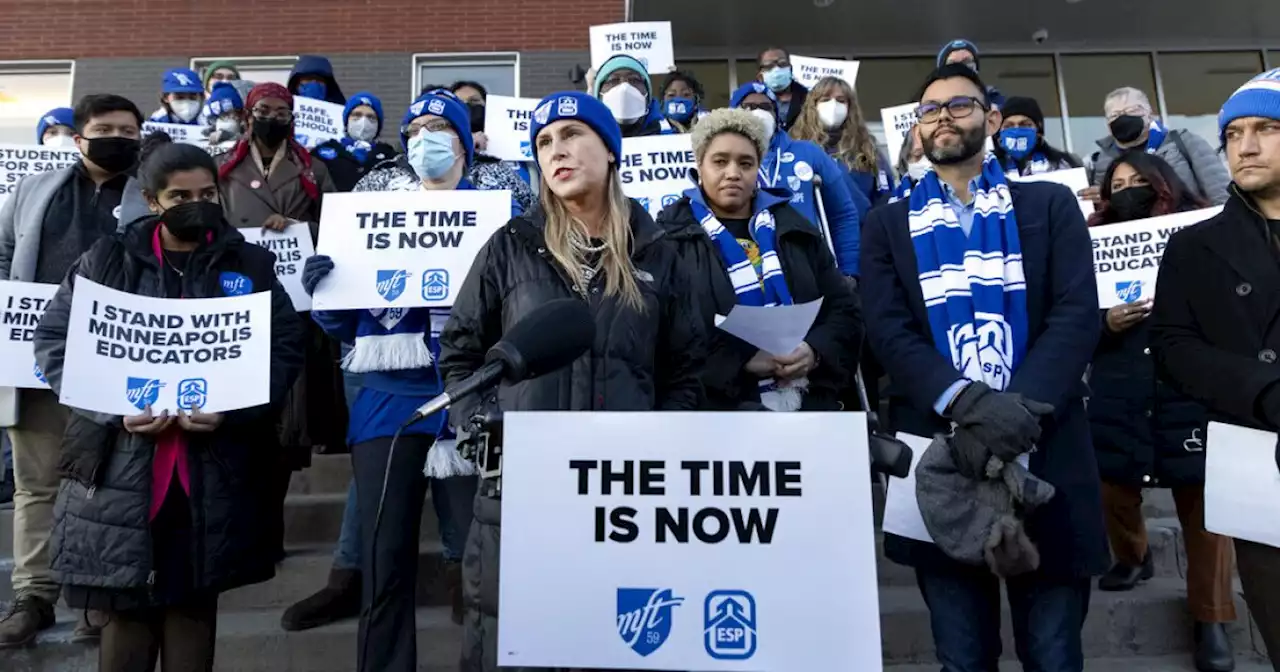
[
  {"x": 648, "y": 41},
  {"x": 292, "y": 248},
  {"x": 777, "y": 330},
  {"x": 1242, "y": 484},
  {"x": 901, "y": 509},
  {"x": 1074, "y": 179}
]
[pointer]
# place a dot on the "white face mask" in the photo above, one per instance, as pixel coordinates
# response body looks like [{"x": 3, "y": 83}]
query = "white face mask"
[
  {"x": 832, "y": 113},
  {"x": 228, "y": 125},
  {"x": 917, "y": 169},
  {"x": 186, "y": 110},
  {"x": 60, "y": 141},
  {"x": 770, "y": 123},
  {"x": 627, "y": 103},
  {"x": 363, "y": 129}
]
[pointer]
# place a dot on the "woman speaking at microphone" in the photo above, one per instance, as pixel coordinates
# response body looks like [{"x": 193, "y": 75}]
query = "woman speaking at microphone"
[
  {"x": 158, "y": 513},
  {"x": 584, "y": 240}
]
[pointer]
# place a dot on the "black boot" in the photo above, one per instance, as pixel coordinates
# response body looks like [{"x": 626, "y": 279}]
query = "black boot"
[
  {"x": 1213, "y": 648},
  {"x": 336, "y": 601},
  {"x": 453, "y": 580},
  {"x": 1123, "y": 577}
]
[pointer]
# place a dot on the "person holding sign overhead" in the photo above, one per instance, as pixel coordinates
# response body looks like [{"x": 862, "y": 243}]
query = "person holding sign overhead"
[
  {"x": 726, "y": 221},
  {"x": 1213, "y": 330},
  {"x": 181, "y": 97},
  {"x": 173, "y": 502},
  {"x": 831, "y": 118},
  {"x": 56, "y": 128},
  {"x": 588, "y": 241},
  {"x": 622, "y": 83},
  {"x": 794, "y": 165},
  {"x": 1163, "y": 446}
]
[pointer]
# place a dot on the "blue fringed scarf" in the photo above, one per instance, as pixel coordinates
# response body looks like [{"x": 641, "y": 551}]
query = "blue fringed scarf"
[
  {"x": 766, "y": 287},
  {"x": 973, "y": 286},
  {"x": 391, "y": 339}
]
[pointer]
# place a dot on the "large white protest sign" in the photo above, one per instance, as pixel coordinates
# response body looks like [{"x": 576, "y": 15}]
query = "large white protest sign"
[
  {"x": 403, "y": 249},
  {"x": 506, "y": 122},
  {"x": 21, "y": 306},
  {"x": 126, "y": 352},
  {"x": 1126, "y": 256},
  {"x": 1241, "y": 483},
  {"x": 19, "y": 161},
  {"x": 898, "y": 120},
  {"x": 673, "y": 553},
  {"x": 655, "y": 169},
  {"x": 809, "y": 70},
  {"x": 1074, "y": 179},
  {"x": 649, "y": 42},
  {"x": 316, "y": 122},
  {"x": 292, "y": 247},
  {"x": 185, "y": 133}
]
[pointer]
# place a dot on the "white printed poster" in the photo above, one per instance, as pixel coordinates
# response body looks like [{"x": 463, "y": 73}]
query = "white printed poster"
[
  {"x": 1074, "y": 179},
  {"x": 316, "y": 122},
  {"x": 404, "y": 249},
  {"x": 655, "y": 169},
  {"x": 649, "y": 42},
  {"x": 506, "y": 123},
  {"x": 22, "y": 304},
  {"x": 1242, "y": 484},
  {"x": 292, "y": 248},
  {"x": 673, "y": 554},
  {"x": 19, "y": 161},
  {"x": 1126, "y": 256},
  {"x": 190, "y": 134},
  {"x": 898, "y": 120},
  {"x": 809, "y": 70},
  {"x": 126, "y": 352}
]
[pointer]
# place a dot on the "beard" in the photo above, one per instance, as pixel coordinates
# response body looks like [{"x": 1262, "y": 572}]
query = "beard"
[{"x": 972, "y": 141}]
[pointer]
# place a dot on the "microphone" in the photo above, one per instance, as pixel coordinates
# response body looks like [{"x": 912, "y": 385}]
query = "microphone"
[{"x": 550, "y": 337}]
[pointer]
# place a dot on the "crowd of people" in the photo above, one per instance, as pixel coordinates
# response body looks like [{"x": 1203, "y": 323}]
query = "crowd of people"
[{"x": 968, "y": 297}]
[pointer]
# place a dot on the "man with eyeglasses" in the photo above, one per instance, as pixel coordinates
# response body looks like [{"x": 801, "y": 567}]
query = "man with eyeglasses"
[
  {"x": 1132, "y": 123},
  {"x": 775, "y": 71},
  {"x": 982, "y": 306}
]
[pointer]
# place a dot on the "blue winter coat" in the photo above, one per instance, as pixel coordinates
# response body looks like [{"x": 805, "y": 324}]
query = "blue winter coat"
[{"x": 876, "y": 186}]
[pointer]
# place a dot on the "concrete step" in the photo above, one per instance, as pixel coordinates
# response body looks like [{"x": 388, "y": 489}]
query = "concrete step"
[
  {"x": 1181, "y": 663},
  {"x": 1151, "y": 620},
  {"x": 328, "y": 474},
  {"x": 253, "y": 642}
]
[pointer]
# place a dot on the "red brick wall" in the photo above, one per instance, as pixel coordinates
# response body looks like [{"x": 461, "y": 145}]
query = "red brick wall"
[{"x": 36, "y": 29}]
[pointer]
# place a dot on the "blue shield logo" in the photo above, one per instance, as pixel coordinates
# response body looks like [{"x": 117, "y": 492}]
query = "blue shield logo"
[
  {"x": 39, "y": 372},
  {"x": 435, "y": 284},
  {"x": 192, "y": 393},
  {"x": 670, "y": 199},
  {"x": 391, "y": 284},
  {"x": 644, "y": 202},
  {"x": 142, "y": 392},
  {"x": 729, "y": 618},
  {"x": 526, "y": 149},
  {"x": 644, "y": 617},
  {"x": 235, "y": 284},
  {"x": 1129, "y": 290}
]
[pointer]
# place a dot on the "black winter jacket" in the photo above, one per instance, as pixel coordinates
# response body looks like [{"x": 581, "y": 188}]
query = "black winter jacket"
[
  {"x": 345, "y": 169},
  {"x": 640, "y": 361},
  {"x": 102, "y": 537},
  {"x": 811, "y": 273}
]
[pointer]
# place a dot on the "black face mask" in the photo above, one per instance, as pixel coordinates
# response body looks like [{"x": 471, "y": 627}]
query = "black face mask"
[
  {"x": 477, "y": 117},
  {"x": 1133, "y": 203},
  {"x": 271, "y": 132},
  {"x": 1127, "y": 127},
  {"x": 113, "y": 154},
  {"x": 187, "y": 222}
]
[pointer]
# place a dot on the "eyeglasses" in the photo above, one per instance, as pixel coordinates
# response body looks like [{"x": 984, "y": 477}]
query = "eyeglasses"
[
  {"x": 767, "y": 107},
  {"x": 958, "y": 108},
  {"x": 279, "y": 113},
  {"x": 434, "y": 126},
  {"x": 623, "y": 77}
]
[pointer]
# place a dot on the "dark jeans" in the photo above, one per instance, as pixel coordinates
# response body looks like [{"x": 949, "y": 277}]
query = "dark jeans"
[
  {"x": 1259, "y": 567},
  {"x": 964, "y": 611}
]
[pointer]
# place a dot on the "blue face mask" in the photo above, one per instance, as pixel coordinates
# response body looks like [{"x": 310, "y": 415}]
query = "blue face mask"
[
  {"x": 1019, "y": 142},
  {"x": 431, "y": 154},
  {"x": 312, "y": 90},
  {"x": 680, "y": 110},
  {"x": 778, "y": 79}
]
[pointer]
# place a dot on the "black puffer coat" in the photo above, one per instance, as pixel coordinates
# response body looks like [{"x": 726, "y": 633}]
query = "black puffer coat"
[
  {"x": 102, "y": 547},
  {"x": 811, "y": 274},
  {"x": 1145, "y": 433}
]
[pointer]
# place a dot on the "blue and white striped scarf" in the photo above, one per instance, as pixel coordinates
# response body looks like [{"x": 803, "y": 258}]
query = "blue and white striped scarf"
[
  {"x": 974, "y": 288},
  {"x": 395, "y": 339}
]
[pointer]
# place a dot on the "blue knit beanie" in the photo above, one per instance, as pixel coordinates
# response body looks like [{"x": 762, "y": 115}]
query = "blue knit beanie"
[
  {"x": 584, "y": 108},
  {"x": 1259, "y": 97},
  {"x": 223, "y": 99},
  {"x": 622, "y": 62},
  {"x": 754, "y": 87},
  {"x": 363, "y": 98},
  {"x": 442, "y": 103},
  {"x": 181, "y": 80},
  {"x": 58, "y": 116},
  {"x": 958, "y": 45}
]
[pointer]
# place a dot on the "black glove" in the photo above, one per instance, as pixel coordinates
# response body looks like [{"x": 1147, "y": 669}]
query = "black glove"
[
  {"x": 1007, "y": 424},
  {"x": 315, "y": 270}
]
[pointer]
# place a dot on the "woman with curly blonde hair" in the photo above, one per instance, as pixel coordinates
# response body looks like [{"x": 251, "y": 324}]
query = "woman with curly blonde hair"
[{"x": 832, "y": 119}]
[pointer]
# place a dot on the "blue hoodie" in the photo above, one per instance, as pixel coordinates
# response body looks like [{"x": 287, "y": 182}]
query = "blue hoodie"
[
  {"x": 792, "y": 164},
  {"x": 317, "y": 66}
]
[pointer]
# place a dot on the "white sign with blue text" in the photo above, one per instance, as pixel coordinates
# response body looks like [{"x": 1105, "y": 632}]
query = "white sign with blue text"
[
  {"x": 648, "y": 42},
  {"x": 22, "y": 304},
  {"x": 672, "y": 553},
  {"x": 315, "y": 122},
  {"x": 655, "y": 169},
  {"x": 403, "y": 249},
  {"x": 506, "y": 123},
  {"x": 809, "y": 70},
  {"x": 189, "y": 134},
  {"x": 1126, "y": 256},
  {"x": 126, "y": 352},
  {"x": 292, "y": 248},
  {"x": 19, "y": 161}
]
